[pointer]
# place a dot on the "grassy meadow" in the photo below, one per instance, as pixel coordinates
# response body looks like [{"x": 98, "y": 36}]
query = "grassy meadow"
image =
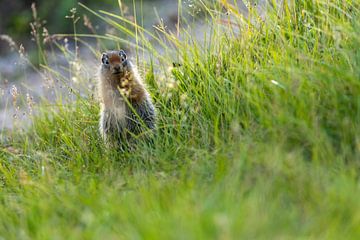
[{"x": 258, "y": 135}]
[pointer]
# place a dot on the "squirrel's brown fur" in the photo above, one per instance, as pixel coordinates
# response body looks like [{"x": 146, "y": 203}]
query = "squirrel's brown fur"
[{"x": 126, "y": 106}]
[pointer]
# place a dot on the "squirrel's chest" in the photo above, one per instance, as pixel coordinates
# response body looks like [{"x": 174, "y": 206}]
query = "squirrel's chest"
[{"x": 113, "y": 102}]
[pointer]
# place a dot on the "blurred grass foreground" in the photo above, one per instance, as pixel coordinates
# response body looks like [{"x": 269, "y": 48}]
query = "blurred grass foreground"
[{"x": 258, "y": 131}]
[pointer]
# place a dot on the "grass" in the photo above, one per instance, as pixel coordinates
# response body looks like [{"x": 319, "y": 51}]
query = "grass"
[{"x": 258, "y": 137}]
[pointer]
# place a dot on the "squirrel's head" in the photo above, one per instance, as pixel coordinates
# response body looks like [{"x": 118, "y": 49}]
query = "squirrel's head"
[{"x": 114, "y": 62}]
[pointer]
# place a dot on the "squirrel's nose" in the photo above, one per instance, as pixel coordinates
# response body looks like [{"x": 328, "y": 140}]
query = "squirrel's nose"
[{"x": 117, "y": 68}]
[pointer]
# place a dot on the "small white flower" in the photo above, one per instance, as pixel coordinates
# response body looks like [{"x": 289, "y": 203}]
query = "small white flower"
[
  {"x": 14, "y": 92},
  {"x": 277, "y": 84}
]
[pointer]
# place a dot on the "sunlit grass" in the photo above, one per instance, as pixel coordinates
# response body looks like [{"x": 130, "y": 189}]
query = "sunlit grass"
[{"x": 258, "y": 136}]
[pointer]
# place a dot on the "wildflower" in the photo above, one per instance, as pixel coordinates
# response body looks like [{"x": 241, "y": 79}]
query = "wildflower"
[
  {"x": 33, "y": 31},
  {"x": 23, "y": 60},
  {"x": 73, "y": 13},
  {"x": 22, "y": 51},
  {"x": 66, "y": 43},
  {"x": 9, "y": 40},
  {"x": 34, "y": 11},
  {"x": 87, "y": 23},
  {"x": 14, "y": 92},
  {"x": 30, "y": 103},
  {"x": 46, "y": 36}
]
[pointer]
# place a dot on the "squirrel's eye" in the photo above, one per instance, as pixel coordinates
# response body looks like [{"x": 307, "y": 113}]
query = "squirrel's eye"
[
  {"x": 105, "y": 61},
  {"x": 122, "y": 54}
]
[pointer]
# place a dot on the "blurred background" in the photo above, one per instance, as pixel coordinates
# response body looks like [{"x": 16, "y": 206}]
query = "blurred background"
[
  {"x": 21, "y": 84},
  {"x": 16, "y": 15}
]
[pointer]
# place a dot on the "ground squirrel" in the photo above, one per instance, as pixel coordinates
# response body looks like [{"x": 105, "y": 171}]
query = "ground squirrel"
[{"x": 126, "y": 106}]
